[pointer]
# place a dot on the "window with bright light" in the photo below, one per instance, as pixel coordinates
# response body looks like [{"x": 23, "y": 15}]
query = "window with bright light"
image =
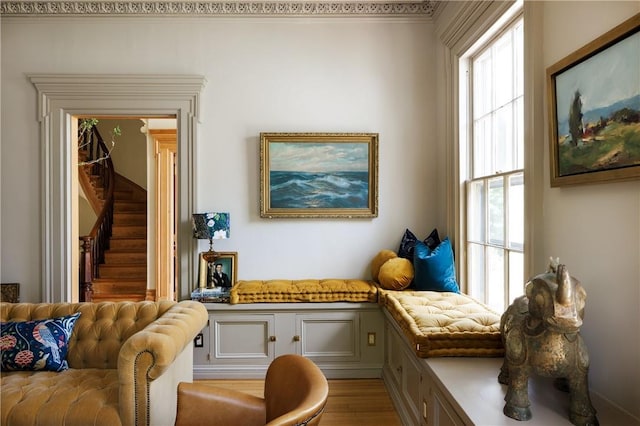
[{"x": 494, "y": 168}]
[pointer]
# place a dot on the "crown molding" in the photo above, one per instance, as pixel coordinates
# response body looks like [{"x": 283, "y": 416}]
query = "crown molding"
[{"x": 179, "y": 8}]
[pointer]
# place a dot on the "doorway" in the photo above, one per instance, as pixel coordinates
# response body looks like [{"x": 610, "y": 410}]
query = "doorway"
[
  {"x": 63, "y": 96},
  {"x": 139, "y": 262}
]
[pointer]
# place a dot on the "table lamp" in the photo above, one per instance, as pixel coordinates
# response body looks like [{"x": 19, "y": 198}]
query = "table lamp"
[{"x": 211, "y": 226}]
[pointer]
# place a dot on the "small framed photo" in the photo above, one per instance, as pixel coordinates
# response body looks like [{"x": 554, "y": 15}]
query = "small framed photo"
[
  {"x": 217, "y": 270},
  {"x": 318, "y": 175}
]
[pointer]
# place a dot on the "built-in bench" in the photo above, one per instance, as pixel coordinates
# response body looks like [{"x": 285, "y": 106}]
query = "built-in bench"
[
  {"x": 438, "y": 353},
  {"x": 300, "y": 291}
]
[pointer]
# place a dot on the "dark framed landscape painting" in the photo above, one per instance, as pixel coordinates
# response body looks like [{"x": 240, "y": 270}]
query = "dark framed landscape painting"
[
  {"x": 594, "y": 110},
  {"x": 318, "y": 175}
]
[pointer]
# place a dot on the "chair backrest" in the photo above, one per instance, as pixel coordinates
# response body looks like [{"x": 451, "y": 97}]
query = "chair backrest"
[{"x": 295, "y": 391}]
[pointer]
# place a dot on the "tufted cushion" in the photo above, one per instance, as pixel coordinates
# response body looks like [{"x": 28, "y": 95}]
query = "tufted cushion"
[
  {"x": 379, "y": 260},
  {"x": 396, "y": 274},
  {"x": 36, "y": 345},
  {"x": 69, "y": 397},
  {"x": 444, "y": 323},
  {"x": 99, "y": 332},
  {"x": 329, "y": 290},
  {"x": 125, "y": 359}
]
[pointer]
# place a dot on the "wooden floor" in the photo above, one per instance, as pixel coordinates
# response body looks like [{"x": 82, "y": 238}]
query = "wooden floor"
[{"x": 352, "y": 402}]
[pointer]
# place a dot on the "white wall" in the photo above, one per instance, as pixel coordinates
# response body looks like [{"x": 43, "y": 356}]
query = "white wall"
[
  {"x": 294, "y": 74},
  {"x": 129, "y": 153},
  {"x": 595, "y": 229}
]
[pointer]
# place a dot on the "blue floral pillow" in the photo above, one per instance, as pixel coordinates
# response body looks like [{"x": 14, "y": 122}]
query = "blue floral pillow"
[{"x": 36, "y": 345}]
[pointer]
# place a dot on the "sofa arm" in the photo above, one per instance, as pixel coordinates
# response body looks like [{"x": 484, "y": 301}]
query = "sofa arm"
[{"x": 146, "y": 355}]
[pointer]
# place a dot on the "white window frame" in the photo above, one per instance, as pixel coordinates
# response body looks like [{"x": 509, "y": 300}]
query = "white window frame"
[{"x": 465, "y": 167}]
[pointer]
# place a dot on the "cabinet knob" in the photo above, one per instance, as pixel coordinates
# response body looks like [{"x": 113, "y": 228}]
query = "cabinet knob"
[
  {"x": 272, "y": 338},
  {"x": 296, "y": 338}
]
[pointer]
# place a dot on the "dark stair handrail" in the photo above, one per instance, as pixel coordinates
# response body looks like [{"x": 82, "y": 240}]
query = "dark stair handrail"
[{"x": 94, "y": 245}]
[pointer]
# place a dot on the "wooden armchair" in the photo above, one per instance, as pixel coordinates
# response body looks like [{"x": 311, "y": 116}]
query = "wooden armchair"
[{"x": 295, "y": 393}]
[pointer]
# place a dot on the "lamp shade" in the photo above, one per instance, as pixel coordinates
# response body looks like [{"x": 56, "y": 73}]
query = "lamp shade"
[{"x": 211, "y": 226}]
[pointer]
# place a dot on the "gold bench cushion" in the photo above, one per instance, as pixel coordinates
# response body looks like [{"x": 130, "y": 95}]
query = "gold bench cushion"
[
  {"x": 71, "y": 397},
  {"x": 444, "y": 323},
  {"x": 327, "y": 290}
]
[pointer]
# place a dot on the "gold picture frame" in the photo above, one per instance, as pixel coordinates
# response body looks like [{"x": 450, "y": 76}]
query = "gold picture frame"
[
  {"x": 318, "y": 175},
  {"x": 594, "y": 110},
  {"x": 228, "y": 260},
  {"x": 10, "y": 292}
]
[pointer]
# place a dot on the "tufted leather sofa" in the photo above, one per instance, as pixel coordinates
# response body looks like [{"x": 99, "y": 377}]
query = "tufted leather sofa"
[{"x": 125, "y": 361}]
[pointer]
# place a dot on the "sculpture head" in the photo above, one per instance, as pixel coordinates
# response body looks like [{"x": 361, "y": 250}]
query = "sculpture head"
[{"x": 557, "y": 300}]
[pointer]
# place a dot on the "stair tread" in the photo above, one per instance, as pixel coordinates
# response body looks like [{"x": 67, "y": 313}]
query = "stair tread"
[
  {"x": 125, "y": 267},
  {"x": 124, "y": 237},
  {"x": 118, "y": 280}
]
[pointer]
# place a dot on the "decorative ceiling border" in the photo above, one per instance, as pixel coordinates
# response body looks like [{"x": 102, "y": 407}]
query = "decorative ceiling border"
[{"x": 425, "y": 8}]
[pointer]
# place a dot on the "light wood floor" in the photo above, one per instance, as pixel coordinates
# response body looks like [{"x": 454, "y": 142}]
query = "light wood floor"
[{"x": 352, "y": 402}]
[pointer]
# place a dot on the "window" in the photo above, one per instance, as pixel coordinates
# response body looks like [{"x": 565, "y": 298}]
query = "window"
[{"x": 492, "y": 166}]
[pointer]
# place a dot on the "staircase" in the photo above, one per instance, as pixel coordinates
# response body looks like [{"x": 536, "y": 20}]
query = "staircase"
[{"x": 122, "y": 276}]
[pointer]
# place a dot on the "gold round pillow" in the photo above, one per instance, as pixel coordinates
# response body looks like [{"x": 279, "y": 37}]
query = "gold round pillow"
[
  {"x": 396, "y": 274},
  {"x": 379, "y": 260}
]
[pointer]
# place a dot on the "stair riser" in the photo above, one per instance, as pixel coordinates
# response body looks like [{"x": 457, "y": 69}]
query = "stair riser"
[
  {"x": 103, "y": 286},
  {"x": 119, "y": 244},
  {"x": 129, "y": 207},
  {"x": 121, "y": 271},
  {"x": 129, "y": 231},
  {"x": 139, "y": 219},
  {"x": 125, "y": 258}
]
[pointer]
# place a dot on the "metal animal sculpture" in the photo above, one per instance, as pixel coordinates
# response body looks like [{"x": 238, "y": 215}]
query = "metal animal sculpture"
[{"x": 541, "y": 335}]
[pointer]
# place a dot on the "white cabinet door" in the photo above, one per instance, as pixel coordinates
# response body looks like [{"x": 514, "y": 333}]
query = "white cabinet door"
[
  {"x": 242, "y": 339},
  {"x": 328, "y": 336}
]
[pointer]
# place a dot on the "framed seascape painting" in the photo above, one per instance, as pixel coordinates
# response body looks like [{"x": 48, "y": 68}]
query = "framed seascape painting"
[
  {"x": 318, "y": 175},
  {"x": 594, "y": 110}
]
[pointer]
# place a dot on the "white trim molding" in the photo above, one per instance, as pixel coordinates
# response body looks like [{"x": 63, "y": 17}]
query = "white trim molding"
[
  {"x": 280, "y": 8},
  {"x": 63, "y": 96}
]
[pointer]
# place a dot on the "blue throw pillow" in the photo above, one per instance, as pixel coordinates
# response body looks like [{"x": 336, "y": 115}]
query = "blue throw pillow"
[
  {"x": 36, "y": 345},
  {"x": 409, "y": 240},
  {"x": 434, "y": 269}
]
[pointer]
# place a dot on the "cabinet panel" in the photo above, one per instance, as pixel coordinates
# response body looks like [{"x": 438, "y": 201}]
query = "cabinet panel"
[
  {"x": 394, "y": 355},
  {"x": 443, "y": 414},
  {"x": 346, "y": 340},
  {"x": 242, "y": 337},
  {"x": 329, "y": 336},
  {"x": 411, "y": 386}
]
